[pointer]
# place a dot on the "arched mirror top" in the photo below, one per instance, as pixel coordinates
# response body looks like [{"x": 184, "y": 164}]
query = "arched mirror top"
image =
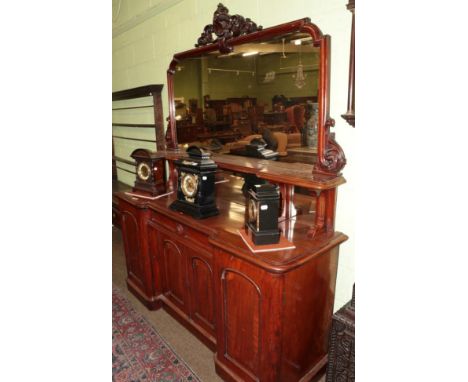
[{"x": 243, "y": 85}]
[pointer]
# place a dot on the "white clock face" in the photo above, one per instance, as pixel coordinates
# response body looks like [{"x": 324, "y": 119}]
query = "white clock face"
[
  {"x": 143, "y": 171},
  {"x": 189, "y": 185}
]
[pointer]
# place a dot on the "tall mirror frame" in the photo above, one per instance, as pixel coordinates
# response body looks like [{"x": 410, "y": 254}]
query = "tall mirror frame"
[{"x": 236, "y": 30}]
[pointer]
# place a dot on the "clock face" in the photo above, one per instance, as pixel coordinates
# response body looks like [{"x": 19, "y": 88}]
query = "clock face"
[
  {"x": 143, "y": 171},
  {"x": 189, "y": 186},
  {"x": 253, "y": 212}
]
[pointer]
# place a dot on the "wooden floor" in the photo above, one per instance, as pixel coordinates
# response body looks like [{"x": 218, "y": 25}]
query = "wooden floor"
[{"x": 193, "y": 352}]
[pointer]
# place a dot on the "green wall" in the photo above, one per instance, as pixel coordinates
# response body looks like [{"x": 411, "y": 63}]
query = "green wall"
[
  {"x": 187, "y": 81},
  {"x": 195, "y": 79},
  {"x": 284, "y": 81}
]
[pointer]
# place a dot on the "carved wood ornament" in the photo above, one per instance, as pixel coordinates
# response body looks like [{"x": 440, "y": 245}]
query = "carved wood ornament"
[
  {"x": 341, "y": 354},
  {"x": 226, "y": 27},
  {"x": 237, "y": 30}
]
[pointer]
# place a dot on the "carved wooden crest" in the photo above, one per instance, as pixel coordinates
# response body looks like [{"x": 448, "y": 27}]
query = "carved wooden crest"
[{"x": 226, "y": 27}]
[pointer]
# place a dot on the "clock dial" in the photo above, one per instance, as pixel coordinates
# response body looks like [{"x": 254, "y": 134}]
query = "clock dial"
[
  {"x": 253, "y": 211},
  {"x": 143, "y": 171},
  {"x": 189, "y": 185}
]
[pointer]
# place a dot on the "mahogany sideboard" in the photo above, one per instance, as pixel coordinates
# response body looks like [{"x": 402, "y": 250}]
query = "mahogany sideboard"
[{"x": 265, "y": 315}]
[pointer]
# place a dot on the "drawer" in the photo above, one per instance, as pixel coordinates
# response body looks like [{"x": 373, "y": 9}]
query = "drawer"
[{"x": 180, "y": 230}]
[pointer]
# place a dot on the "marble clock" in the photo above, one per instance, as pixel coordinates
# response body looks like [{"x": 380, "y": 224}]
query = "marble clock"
[
  {"x": 262, "y": 213},
  {"x": 150, "y": 172},
  {"x": 196, "y": 184}
]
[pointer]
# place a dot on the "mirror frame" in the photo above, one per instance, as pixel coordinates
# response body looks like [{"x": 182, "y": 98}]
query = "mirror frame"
[{"x": 235, "y": 30}]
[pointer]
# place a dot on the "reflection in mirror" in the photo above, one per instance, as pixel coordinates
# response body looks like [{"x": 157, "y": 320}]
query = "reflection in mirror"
[{"x": 259, "y": 100}]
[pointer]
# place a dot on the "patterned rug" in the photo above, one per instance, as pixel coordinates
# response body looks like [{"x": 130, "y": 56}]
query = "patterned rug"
[{"x": 139, "y": 354}]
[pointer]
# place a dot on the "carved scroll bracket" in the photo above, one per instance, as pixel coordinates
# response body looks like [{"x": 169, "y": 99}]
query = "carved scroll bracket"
[
  {"x": 226, "y": 27},
  {"x": 333, "y": 159}
]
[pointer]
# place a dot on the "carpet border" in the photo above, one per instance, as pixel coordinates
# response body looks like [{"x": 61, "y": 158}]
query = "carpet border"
[{"x": 132, "y": 308}]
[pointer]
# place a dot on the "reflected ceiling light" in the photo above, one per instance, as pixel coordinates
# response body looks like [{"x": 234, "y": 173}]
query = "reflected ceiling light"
[
  {"x": 249, "y": 53},
  {"x": 296, "y": 42},
  {"x": 300, "y": 77}
]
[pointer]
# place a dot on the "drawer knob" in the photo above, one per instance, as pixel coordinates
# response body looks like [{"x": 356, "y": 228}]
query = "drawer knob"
[{"x": 179, "y": 229}]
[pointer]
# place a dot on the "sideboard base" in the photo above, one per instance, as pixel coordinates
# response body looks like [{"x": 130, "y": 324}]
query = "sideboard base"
[
  {"x": 206, "y": 338},
  {"x": 313, "y": 375},
  {"x": 150, "y": 303}
]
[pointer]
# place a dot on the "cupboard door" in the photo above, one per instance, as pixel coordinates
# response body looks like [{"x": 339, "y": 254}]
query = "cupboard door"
[
  {"x": 131, "y": 235},
  {"x": 242, "y": 320},
  {"x": 156, "y": 261},
  {"x": 201, "y": 289},
  {"x": 175, "y": 283},
  {"x": 249, "y": 310}
]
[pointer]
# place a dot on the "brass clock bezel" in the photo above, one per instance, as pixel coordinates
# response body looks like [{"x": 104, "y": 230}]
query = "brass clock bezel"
[
  {"x": 143, "y": 166},
  {"x": 253, "y": 212},
  {"x": 189, "y": 189}
]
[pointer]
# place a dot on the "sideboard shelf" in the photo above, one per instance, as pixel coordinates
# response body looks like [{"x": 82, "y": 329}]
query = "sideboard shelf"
[{"x": 298, "y": 174}]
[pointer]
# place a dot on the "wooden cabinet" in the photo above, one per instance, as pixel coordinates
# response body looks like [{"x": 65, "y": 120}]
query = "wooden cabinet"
[
  {"x": 133, "y": 217},
  {"x": 183, "y": 272},
  {"x": 248, "y": 313},
  {"x": 273, "y": 323},
  {"x": 266, "y": 315},
  {"x": 174, "y": 272},
  {"x": 117, "y": 187},
  {"x": 188, "y": 132},
  {"x": 201, "y": 283}
]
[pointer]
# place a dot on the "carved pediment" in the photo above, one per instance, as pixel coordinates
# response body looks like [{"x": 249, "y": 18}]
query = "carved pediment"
[{"x": 226, "y": 27}]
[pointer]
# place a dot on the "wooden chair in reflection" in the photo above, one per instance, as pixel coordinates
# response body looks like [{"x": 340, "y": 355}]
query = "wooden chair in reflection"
[{"x": 296, "y": 118}]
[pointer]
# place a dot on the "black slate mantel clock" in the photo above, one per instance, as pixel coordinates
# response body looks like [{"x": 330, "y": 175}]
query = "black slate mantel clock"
[
  {"x": 196, "y": 184},
  {"x": 150, "y": 172},
  {"x": 262, "y": 213}
]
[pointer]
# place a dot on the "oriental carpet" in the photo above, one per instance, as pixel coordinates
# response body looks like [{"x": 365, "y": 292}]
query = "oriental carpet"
[{"x": 139, "y": 354}]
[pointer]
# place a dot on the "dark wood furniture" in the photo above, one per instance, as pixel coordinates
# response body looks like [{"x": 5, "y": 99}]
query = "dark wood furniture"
[
  {"x": 134, "y": 216},
  {"x": 223, "y": 137},
  {"x": 232, "y": 31},
  {"x": 275, "y": 117},
  {"x": 301, "y": 154},
  {"x": 153, "y": 91},
  {"x": 267, "y": 315},
  {"x": 188, "y": 132},
  {"x": 117, "y": 187},
  {"x": 150, "y": 172},
  {"x": 340, "y": 366}
]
